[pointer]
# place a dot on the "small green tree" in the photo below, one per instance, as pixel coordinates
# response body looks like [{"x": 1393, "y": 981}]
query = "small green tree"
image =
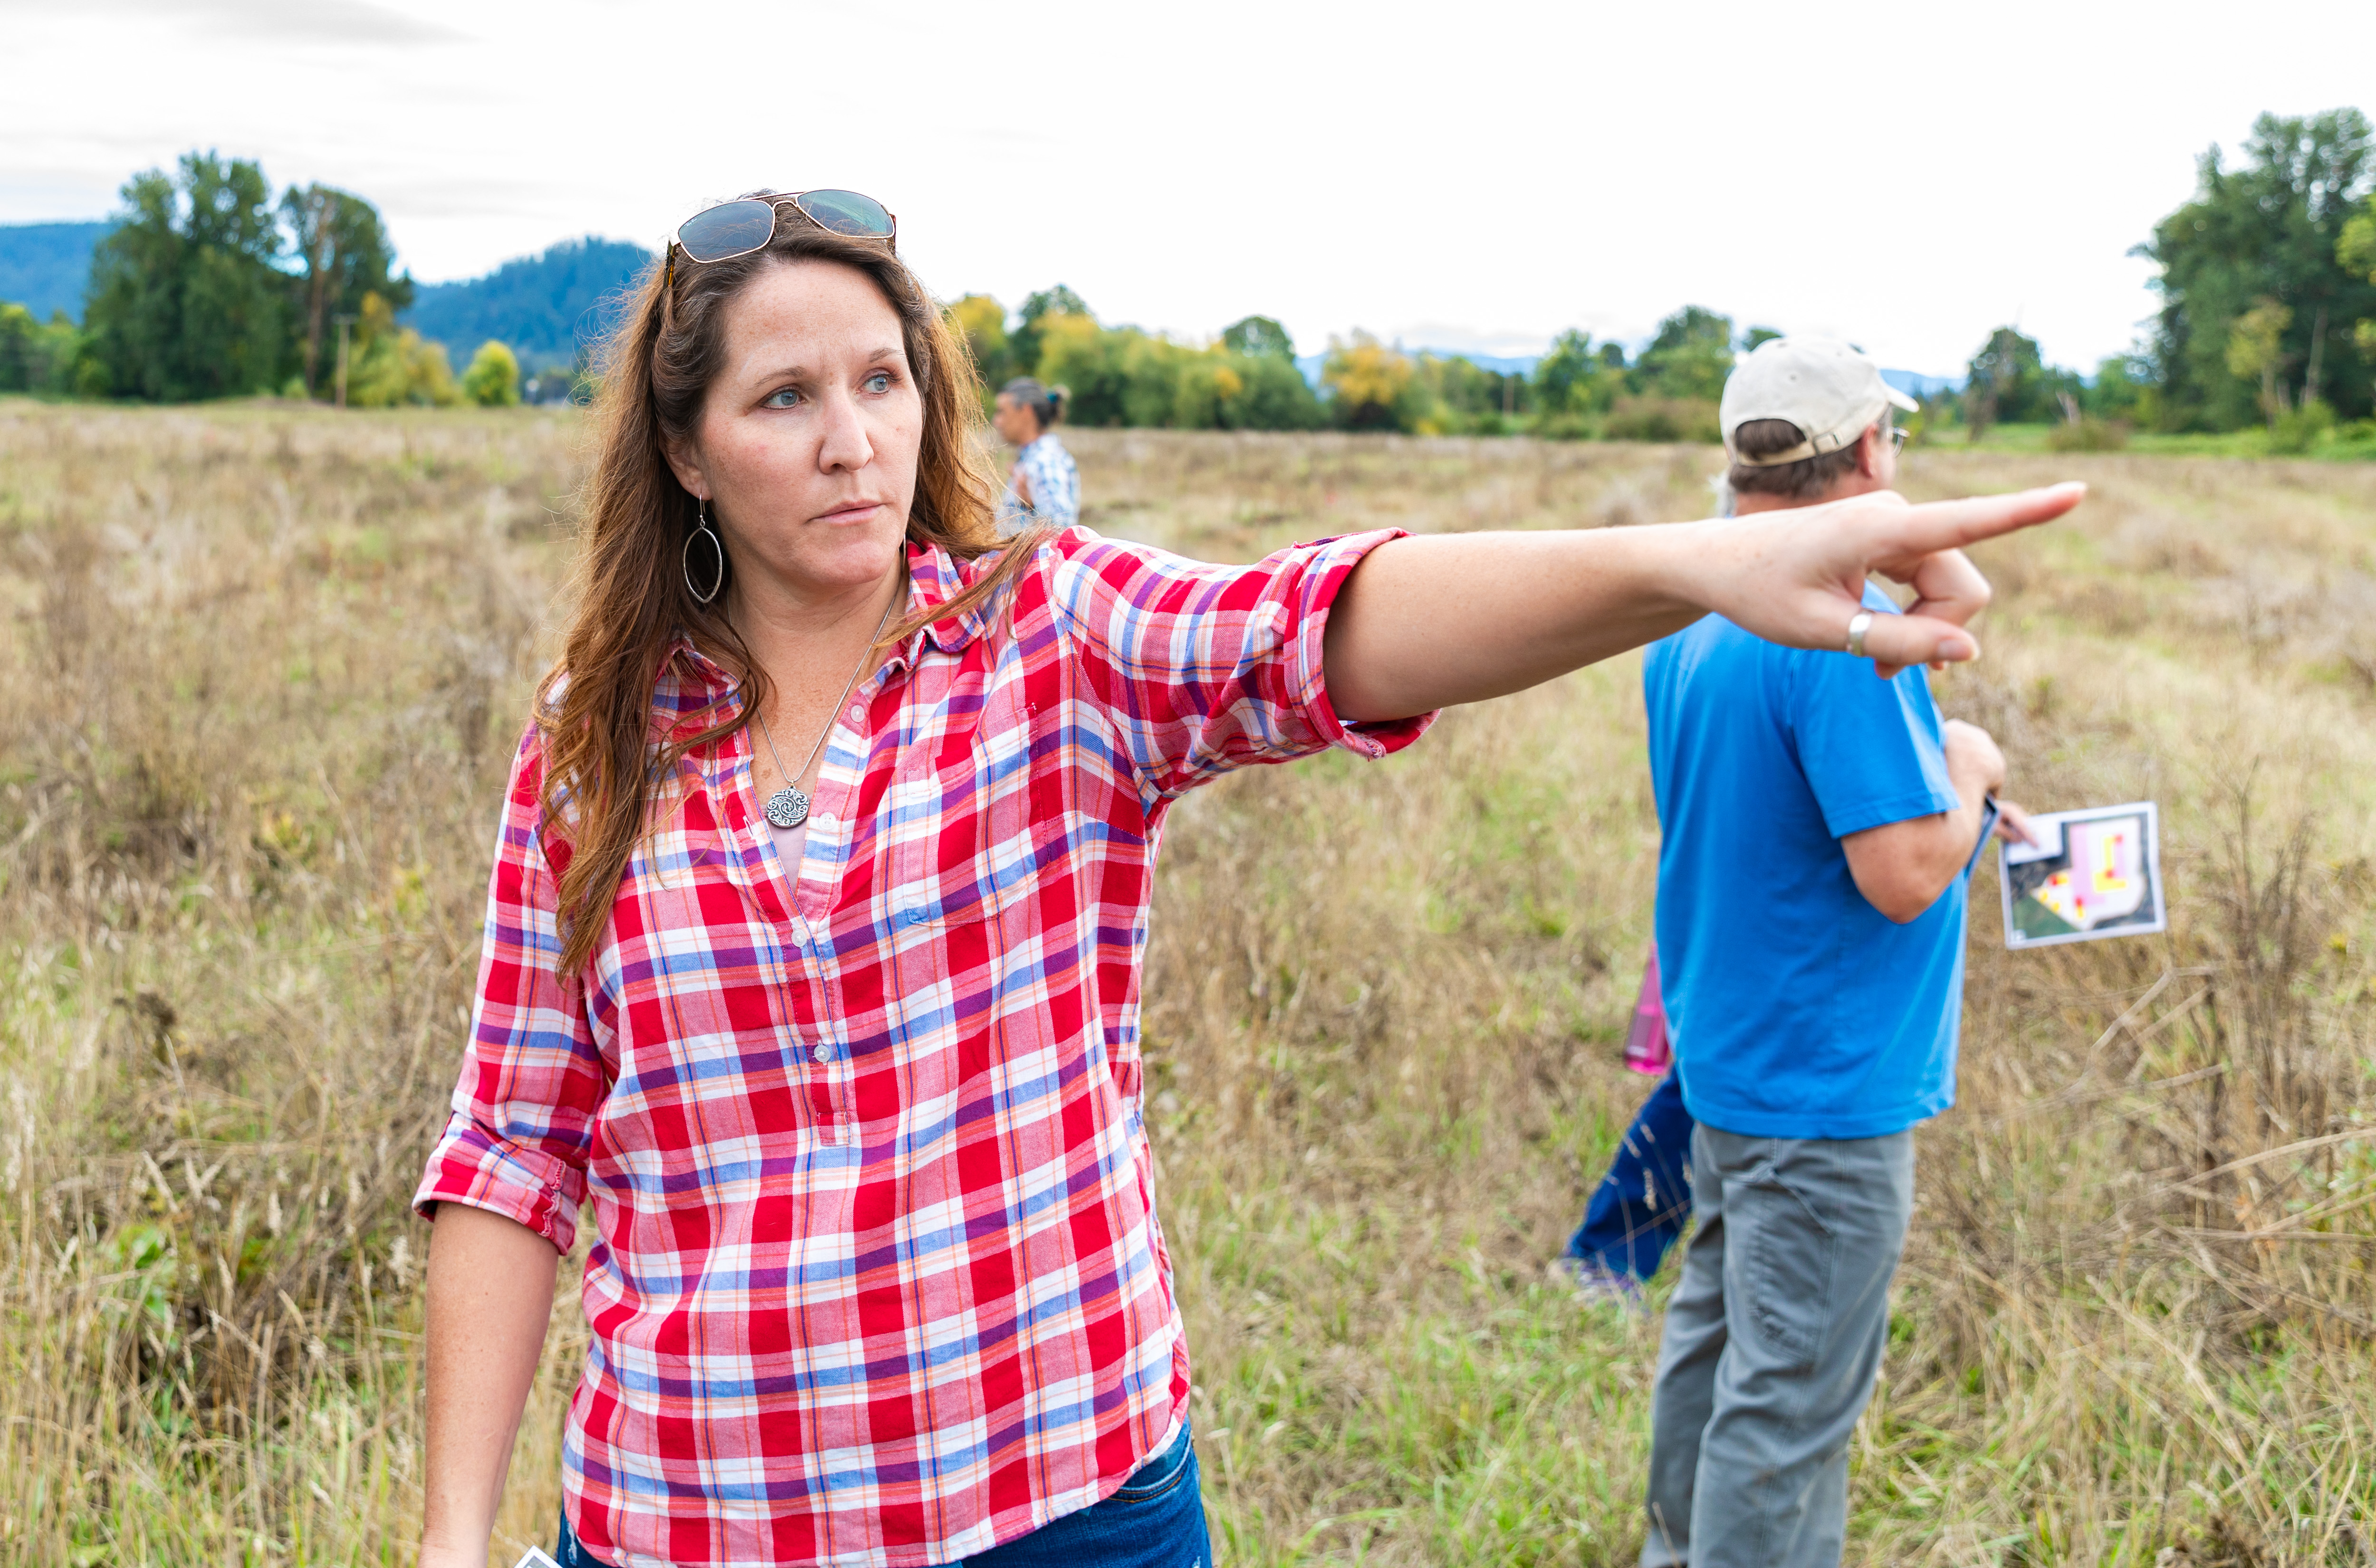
[
  {"x": 1689, "y": 357},
  {"x": 1257, "y": 336},
  {"x": 982, "y": 321},
  {"x": 36, "y": 356},
  {"x": 392, "y": 366},
  {"x": 2355, "y": 249},
  {"x": 346, "y": 254},
  {"x": 1023, "y": 342},
  {"x": 1150, "y": 368},
  {"x": 492, "y": 380},
  {"x": 1462, "y": 396},
  {"x": 1372, "y": 386},
  {"x": 16, "y": 329},
  {"x": 2256, "y": 350},
  {"x": 2008, "y": 382},
  {"x": 2124, "y": 384},
  {"x": 1072, "y": 351},
  {"x": 1274, "y": 396},
  {"x": 1572, "y": 379}
]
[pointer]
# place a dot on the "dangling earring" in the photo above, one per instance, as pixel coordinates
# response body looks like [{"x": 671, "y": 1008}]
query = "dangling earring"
[{"x": 704, "y": 531}]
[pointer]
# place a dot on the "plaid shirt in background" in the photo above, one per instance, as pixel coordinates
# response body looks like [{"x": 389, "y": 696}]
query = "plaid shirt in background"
[
  {"x": 1055, "y": 488},
  {"x": 878, "y": 1277}
]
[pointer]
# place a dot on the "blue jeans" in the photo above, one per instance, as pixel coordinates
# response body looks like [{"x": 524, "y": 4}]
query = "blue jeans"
[
  {"x": 1155, "y": 1520},
  {"x": 1642, "y": 1204}
]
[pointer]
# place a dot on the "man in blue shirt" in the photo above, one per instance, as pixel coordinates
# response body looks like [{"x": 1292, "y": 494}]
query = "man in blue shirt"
[{"x": 1817, "y": 825}]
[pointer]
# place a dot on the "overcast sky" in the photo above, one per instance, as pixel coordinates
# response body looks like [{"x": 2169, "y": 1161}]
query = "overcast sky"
[{"x": 1464, "y": 176}]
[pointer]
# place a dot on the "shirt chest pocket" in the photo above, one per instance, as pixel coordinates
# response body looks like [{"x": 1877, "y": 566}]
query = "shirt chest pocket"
[
  {"x": 978, "y": 820},
  {"x": 1030, "y": 758},
  {"x": 974, "y": 812}
]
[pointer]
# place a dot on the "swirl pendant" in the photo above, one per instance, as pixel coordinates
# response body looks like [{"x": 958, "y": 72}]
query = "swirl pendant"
[{"x": 788, "y": 807}]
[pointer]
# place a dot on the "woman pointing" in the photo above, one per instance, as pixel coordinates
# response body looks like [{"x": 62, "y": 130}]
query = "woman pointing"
[{"x": 820, "y": 903}]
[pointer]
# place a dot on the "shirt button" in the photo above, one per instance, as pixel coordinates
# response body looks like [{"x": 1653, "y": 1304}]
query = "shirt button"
[
  {"x": 823, "y": 1053},
  {"x": 857, "y": 713}
]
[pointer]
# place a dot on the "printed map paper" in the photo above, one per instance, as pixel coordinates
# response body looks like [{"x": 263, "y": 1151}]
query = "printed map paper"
[{"x": 2093, "y": 874}]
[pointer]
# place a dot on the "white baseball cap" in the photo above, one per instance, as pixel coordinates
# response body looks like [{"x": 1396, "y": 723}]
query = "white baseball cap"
[{"x": 1822, "y": 385}]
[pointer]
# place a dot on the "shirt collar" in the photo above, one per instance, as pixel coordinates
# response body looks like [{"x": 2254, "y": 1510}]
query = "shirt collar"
[{"x": 934, "y": 577}]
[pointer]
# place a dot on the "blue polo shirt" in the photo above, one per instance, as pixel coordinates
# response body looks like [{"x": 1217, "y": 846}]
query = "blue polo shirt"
[{"x": 1797, "y": 1010}]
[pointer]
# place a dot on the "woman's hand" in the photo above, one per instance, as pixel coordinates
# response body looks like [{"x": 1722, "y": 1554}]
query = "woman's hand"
[
  {"x": 1796, "y": 576},
  {"x": 1429, "y": 621}
]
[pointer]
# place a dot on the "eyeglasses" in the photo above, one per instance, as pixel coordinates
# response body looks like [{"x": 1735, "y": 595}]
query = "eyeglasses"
[
  {"x": 739, "y": 227},
  {"x": 1897, "y": 436}
]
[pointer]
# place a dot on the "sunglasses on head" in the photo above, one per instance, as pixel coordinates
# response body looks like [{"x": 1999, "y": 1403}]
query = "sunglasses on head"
[{"x": 740, "y": 227}]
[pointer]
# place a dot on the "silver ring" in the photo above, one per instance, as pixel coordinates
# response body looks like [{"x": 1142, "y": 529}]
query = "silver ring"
[{"x": 1859, "y": 624}]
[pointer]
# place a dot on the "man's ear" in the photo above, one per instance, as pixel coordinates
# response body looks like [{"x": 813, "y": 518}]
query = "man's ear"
[{"x": 1869, "y": 451}]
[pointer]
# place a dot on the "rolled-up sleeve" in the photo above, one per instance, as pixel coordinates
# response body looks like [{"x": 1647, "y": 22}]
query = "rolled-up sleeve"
[
  {"x": 532, "y": 1081},
  {"x": 1205, "y": 668}
]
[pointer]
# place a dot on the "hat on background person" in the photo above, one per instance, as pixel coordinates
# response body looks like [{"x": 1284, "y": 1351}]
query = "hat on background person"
[{"x": 1825, "y": 387}]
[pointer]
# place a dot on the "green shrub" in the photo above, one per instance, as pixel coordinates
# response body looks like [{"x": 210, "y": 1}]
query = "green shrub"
[
  {"x": 2089, "y": 433},
  {"x": 1661, "y": 419},
  {"x": 2299, "y": 429},
  {"x": 34, "y": 356},
  {"x": 392, "y": 365},
  {"x": 493, "y": 381},
  {"x": 982, "y": 321},
  {"x": 1568, "y": 426}
]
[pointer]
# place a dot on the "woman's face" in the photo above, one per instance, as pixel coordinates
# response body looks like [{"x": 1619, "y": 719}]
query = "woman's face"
[
  {"x": 807, "y": 441},
  {"x": 1017, "y": 426}
]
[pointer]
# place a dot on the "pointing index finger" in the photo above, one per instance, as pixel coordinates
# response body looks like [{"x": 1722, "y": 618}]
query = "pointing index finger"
[{"x": 1934, "y": 525}]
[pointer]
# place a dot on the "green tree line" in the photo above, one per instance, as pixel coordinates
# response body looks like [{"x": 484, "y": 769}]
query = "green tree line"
[
  {"x": 2268, "y": 317},
  {"x": 209, "y": 286},
  {"x": 1246, "y": 378}
]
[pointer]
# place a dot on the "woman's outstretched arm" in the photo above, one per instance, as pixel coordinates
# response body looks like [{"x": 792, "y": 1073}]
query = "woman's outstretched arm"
[{"x": 1429, "y": 621}]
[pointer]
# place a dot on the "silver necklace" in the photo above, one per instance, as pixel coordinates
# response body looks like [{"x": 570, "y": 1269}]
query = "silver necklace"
[{"x": 788, "y": 807}]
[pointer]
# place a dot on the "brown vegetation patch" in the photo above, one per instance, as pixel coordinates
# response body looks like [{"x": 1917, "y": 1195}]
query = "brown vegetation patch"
[{"x": 262, "y": 672}]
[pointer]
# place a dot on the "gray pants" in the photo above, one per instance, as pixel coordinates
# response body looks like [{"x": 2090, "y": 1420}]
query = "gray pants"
[{"x": 1772, "y": 1341}]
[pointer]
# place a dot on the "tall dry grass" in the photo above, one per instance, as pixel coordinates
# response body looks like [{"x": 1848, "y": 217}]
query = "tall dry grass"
[{"x": 262, "y": 668}]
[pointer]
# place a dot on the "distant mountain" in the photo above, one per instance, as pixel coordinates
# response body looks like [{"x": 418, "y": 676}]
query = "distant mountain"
[
  {"x": 1914, "y": 384},
  {"x": 547, "y": 307},
  {"x": 45, "y": 265}
]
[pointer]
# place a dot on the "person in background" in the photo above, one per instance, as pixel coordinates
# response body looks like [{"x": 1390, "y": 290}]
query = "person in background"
[
  {"x": 1640, "y": 1208},
  {"x": 1817, "y": 828},
  {"x": 1043, "y": 486}
]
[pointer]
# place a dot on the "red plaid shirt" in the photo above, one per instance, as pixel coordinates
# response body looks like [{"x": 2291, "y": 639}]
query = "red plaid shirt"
[{"x": 878, "y": 1277}]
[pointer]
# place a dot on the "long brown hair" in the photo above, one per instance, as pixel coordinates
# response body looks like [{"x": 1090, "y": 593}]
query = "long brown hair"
[{"x": 604, "y": 752}]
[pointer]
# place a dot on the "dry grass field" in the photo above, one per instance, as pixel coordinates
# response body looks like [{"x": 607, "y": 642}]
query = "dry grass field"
[{"x": 260, "y": 669}]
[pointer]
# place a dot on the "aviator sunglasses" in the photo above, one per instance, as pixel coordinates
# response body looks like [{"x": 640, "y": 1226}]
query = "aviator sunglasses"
[{"x": 739, "y": 227}]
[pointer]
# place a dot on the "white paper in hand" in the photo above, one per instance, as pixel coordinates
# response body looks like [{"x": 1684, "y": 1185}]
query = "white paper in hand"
[
  {"x": 2089, "y": 874},
  {"x": 536, "y": 1557}
]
